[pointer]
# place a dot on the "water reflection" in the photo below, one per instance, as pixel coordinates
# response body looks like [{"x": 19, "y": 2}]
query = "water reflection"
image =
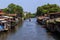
[
  {"x": 6, "y": 34},
  {"x": 28, "y": 31},
  {"x": 56, "y": 35}
]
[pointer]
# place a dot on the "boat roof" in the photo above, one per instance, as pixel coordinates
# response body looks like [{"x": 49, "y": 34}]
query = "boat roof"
[
  {"x": 7, "y": 17},
  {"x": 3, "y": 21}
]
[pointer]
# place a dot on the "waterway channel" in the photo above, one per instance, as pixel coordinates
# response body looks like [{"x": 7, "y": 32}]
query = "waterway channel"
[{"x": 28, "y": 30}]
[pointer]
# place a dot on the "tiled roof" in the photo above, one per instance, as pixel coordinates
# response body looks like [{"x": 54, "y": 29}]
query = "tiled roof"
[{"x": 2, "y": 13}]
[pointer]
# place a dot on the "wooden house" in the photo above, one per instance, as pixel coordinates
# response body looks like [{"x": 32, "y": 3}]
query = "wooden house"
[{"x": 54, "y": 15}]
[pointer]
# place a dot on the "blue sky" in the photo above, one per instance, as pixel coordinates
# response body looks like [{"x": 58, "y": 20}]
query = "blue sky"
[{"x": 28, "y": 5}]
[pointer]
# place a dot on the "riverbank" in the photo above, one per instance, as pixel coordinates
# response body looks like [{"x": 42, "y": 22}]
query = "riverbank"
[
  {"x": 50, "y": 24},
  {"x": 8, "y": 22}
]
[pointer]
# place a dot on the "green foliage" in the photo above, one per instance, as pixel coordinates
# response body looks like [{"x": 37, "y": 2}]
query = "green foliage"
[
  {"x": 11, "y": 8},
  {"x": 6, "y": 10},
  {"x": 14, "y": 9},
  {"x": 49, "y": 8},
  {"x": 30, "y": 15}
]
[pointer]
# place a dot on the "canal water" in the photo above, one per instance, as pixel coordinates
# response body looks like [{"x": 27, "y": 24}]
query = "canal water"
[{"x": 28, "y": 30}]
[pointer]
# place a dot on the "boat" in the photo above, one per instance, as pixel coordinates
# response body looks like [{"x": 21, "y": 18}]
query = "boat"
[
  {"x": 29, "y": 19},
  {"x": 5, "y": 24},
  {"x": 42, "y": 20}
]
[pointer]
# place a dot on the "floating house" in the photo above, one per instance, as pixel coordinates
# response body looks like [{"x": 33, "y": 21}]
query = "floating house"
[
  {"x": 3, "y": 25},
  {"x": 54, "y": 15},
  {"x": 7, "y": 21},
  {"x": 42, "y": 19},
  {"x": 54, "y": 22}
]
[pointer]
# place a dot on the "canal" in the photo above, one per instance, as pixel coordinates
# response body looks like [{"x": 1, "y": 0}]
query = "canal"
[{"x": 28, "y": 31}]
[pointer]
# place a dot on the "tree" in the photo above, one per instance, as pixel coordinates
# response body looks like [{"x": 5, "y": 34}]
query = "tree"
[
  {"x": 49, "y": 8},
  {"x": 11, "y": 8},
  {"x": 6, "y": 10},
  {"x": 14, "y": 9},
  {"x": 28, "y": 15},
  {"x": 18, "y": 10}
]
